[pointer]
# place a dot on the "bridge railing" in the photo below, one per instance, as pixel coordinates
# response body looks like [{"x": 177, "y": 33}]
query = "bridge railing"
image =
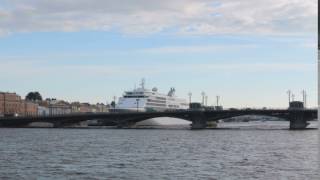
[{"x": 186, "y": 110}]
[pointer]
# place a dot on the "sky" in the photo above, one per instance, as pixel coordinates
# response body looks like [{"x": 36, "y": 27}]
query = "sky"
[{"x": 249, "y": 52}]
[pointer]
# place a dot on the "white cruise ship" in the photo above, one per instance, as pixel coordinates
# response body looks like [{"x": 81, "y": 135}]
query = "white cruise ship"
[{"x": 142, "y": 99}]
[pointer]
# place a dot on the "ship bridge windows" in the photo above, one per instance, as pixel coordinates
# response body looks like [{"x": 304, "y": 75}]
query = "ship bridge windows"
[
  {"x": 161, "y": 98},
  {"x": 173, "y": 106},
  {"x": 135, "y": 96},
  {"x": 156, "y": 101},
  {"x": 154, "y": 104}
]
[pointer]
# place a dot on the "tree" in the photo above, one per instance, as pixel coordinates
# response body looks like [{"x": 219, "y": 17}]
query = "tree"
[
  {"x": 34, "y": 96},
  {"x": 113, "y": 104}
]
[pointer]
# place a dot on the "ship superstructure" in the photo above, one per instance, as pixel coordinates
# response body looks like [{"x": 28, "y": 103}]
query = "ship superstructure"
[{"x": 142, "y": 99}]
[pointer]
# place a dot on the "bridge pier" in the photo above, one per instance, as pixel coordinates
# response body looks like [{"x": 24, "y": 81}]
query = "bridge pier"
[
  {"x": 297, "y": 121},
  {"x": 69, "y": 125},
  {"x": 124, "y": 124},
  {"x": 199, "y": 121}
]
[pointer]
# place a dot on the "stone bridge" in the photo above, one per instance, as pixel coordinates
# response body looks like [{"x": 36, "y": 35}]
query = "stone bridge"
[{"x": 200, "y": 118}]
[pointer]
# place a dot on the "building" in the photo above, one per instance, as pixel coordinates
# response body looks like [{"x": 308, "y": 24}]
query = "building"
[
  {"x": 101, "y": 107},
  {"x": 28, "y": 108},
  {"x": 10, "y": 103},
  {"x": 85, "y": 107},
  {"x": 58, "y": 107},
  {"x": 43, "y": 111},
  {"x": 75, "y": 107}
]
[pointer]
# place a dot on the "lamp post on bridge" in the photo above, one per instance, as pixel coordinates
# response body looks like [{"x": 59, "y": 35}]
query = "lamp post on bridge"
[
  {"x": 304, "y": 98},
  {"x": 218, "y": 97},
  {"x": 289, "y": 95},
  {"x": 203, "y": 95},
  {"x": 206, "y": 100},
  {"x": 189, "y": 94}
]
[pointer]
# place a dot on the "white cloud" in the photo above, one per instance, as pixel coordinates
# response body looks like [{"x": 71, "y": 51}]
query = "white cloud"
[
  {"x": 150, "y": 16},
  {"x": 27, "y": 69},
  {"x": 197, "y": 48}
]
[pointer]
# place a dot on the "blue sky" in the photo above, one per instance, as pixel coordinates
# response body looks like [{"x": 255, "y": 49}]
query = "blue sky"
[{"x": 72, "y": 51}]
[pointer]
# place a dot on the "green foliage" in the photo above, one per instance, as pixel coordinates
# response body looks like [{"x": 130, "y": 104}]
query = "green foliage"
[
  {"x": 34, "y": 96},
  {"x": 113, "y": 104}
]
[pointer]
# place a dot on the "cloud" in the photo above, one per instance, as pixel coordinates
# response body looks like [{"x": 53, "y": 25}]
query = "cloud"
[
  {"x": 152, "y": 16},
  {"x": 26, "y": 69},
  {"x": 197, "y": 48}
]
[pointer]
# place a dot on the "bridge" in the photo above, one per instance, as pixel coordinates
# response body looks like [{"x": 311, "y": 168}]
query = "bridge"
[{"x": 200, "y": 119}]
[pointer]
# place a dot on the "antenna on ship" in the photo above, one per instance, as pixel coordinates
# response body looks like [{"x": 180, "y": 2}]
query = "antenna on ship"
[{"x": 143, "y": 82}]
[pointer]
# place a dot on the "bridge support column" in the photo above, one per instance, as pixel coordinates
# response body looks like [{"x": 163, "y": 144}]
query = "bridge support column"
[
  {"x": 126, "y": 125},
  {"x": 297, "y": 121},
  {"x": 199, "y": 121},
  {"x": 70, "y": 125}
]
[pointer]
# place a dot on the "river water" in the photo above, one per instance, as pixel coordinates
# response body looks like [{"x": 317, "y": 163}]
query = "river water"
[{"x": 255, "y": 150}]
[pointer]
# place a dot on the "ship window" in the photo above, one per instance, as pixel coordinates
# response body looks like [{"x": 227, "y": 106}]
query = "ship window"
[
  {"x": 162, "y": 98},
  {"x": 154, "y": 104},
  {"x": 135, "y": 96},
  {"x": 157, "y": 101}
]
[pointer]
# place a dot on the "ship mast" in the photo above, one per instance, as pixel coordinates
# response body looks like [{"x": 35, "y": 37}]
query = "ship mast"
[{"x": 143, "y": 82}]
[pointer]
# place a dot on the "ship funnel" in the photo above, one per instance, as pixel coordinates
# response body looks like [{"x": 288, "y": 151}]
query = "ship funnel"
[{"x": 171, "y": 92}]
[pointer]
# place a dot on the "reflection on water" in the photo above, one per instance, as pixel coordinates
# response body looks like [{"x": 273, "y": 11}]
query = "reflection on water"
[{"x": 254, "y": 150}]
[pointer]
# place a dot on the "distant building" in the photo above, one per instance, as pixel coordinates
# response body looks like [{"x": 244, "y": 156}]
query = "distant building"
[
  {"x": 102, "y": 108},
  {"x": 57, "y": 107},
  {"x": 85, "y": 107},
  {"x": 75, "y": 107},
  {"x": 28, "y": 108},
  {"x": 43, "y": 111},
  {"x": 10, "y": 103}
]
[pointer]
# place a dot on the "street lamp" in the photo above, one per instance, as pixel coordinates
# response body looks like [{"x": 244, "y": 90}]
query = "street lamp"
[
  {"x": 304, "y": 98},
  {"x": 189, "y": 94},
  {"x": 206, "y": 100},
  {"x": 289, "y": 95},
  {"x": 203, "y": 94},
  {"x": 218, "y": 97}
]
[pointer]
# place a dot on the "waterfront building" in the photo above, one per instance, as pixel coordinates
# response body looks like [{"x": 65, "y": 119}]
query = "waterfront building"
[
  {"x": 75, "y": 107},
  {"x": 101, "y": 107},
  {"x": 85, "y": 107},
  {"x": 28, "y": 108},
  {"x": 12, "y": 104},
  {"x": 9, "y": 103},
  {"x": 43, "y": 111},
  {"x": 57, "y": 107}
]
